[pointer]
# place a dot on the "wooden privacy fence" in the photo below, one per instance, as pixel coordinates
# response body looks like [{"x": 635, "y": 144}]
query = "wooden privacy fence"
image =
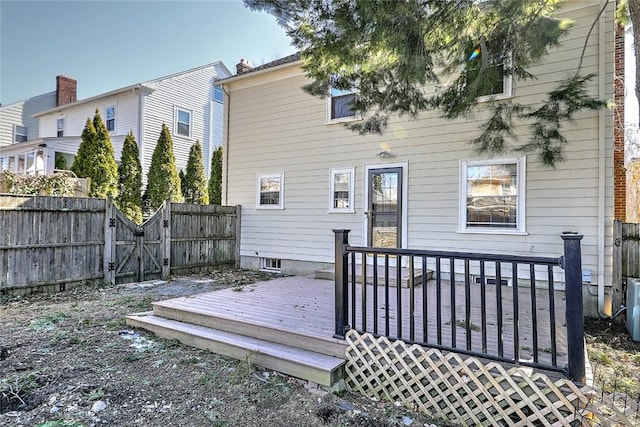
[
  {"x": 626, "y": 258},
  {"x": 49, "y": 243}
]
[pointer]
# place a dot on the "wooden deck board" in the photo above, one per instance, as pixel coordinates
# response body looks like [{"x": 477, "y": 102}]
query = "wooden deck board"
[{"x": 305, "y": 306}]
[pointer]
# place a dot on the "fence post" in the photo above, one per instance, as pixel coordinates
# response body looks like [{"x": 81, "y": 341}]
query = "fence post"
[
  {"x": 572, "y": 264},
  {"x": 617, "y": 294},
  {"x": 238, "y": 230},
  {"x": 109, "y": 242},
  {"x": 341, "y": 282},
  {"x": 166, "y": 240}
]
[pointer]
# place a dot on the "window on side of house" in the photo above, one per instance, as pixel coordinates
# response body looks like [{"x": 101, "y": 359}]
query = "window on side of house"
[
  {"x": 19, "y": 133},
  {"x": 270, "y": 191},
  {"x": 218, "y": 94},
  {"x": 341, "y": 190},
  {"x": 111, "y": 118},
  {"x": 492, "y": 196},
  {"x": 340, "y": 104},
  {"x": 60, "y": 127},
  {"x": 183, "y": 122},
  {"x": 496, "y": 83}
]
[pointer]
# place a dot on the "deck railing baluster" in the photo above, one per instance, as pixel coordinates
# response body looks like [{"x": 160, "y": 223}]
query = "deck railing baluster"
[
  {"x": 534, "y": 312},
  {"x": 516, "y": 313},
  {"x": 467, "y": 302},
  {"x": 483, "y": 306},
  {"x": 375, "y": 294},
  {"x": 353, "y": 291},
  {"x": 552, "y": 316},
  {"x": 399, "y": 297},
  {"x": 364, "y": 294},
  {"x": 499, "y": 308},
  {"x": 412, "y": 301},
  {"x": 438, "y": 301},
  {"x": 386, "y": 294},
  {"x": 452, "y": 297},
  {"x": 425, "y": 312}
]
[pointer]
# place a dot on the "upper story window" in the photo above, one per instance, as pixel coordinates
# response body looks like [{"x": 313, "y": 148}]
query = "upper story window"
[
  {"x": 270, "y": 192},
  {"x": 218, "y": 94},
  {"x": 19, "y": 133},
  {"x": 492, "y": 196},
  {"x": 497, "y": 81},
  {"x": 60, "y": 127},
  {"x": 111, "y": 118},
  {"x": 342, "y": 189},
  {"x": 183, "y": 122},
  {"x": 340, "y": 104}
]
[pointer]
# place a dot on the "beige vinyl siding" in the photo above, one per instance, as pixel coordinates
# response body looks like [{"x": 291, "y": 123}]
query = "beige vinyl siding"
[
  {"x": 276, "y": 127},
  {"x": 19, "y": 113}
]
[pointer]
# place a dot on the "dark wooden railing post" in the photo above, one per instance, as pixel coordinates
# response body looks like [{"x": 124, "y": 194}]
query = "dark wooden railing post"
[
  {"x": 342, "y": 282},
  {"x": 572, "y": 264}
]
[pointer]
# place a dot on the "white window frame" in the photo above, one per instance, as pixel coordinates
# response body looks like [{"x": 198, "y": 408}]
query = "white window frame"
[
  {"x": 351, "y": 202},
  {"x": 507, "y": 86},
  {"x": 280, "y": 177},
  {"x": 106, "y": 117},
  {"x": 175, "y": 125},
  {"x": 64, "y": 125},
  {"x": 16, "y": 134},
  {"x": 330, "y": 96},
  {"x": 521, "y": 164}
]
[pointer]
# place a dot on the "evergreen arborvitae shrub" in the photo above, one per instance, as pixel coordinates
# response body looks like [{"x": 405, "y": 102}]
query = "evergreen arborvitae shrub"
[
  {"x": 163, "y": 182},
  {"x": 183, "y": 179},
  {"x": 95, "y": 159},
  {"x": 215, "y": 182},
  {"x": 195, "y": 181},
  {"x": 84, "y": 157},
  {"x": 129, "y": 200}
]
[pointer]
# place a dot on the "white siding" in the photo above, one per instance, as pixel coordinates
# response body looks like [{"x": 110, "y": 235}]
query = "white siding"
[
  {"x": 275, "y": 127},
  {"x": 19, "y": 113},
  {"x": 191, "y": 91}
]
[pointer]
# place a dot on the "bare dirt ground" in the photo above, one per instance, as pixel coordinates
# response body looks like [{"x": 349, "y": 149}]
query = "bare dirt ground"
[{"x": 69, "y": 360}]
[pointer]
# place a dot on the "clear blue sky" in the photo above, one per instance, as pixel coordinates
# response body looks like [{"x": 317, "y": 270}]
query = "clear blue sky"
[{"x": 106, "y": 45}]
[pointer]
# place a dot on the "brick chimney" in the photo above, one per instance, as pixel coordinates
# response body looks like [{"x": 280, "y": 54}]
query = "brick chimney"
[
  {"x": 243, "y": 66},
  {"x": 66, "y": 89}
]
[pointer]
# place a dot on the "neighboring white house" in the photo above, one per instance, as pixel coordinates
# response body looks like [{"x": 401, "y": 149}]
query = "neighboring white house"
[
  {"x": 187, "y": 102},
  {"x": 298, "y": 172}
]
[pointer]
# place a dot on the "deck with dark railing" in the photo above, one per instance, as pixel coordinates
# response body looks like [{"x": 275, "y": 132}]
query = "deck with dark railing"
[{"x": 305, "y": 307}]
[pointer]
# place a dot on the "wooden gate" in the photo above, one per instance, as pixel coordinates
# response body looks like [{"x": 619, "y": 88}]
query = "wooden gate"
[{"x": 135, "y": 253}]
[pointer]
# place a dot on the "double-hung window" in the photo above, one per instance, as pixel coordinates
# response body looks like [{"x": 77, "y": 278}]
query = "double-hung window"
[
  {"x": 341, "y": 190},
  {"x": 183, "y": 122},
  {"x": 492, "y": 196},
  {"x": 111, "y": 118},
  {"x": 60, "y": 127},
  {"x": 270, "y": 191},
  {"x": 19, "y": 133},
  {"x": 495, "y": 82},
  {"x": 218, "y": 95}
]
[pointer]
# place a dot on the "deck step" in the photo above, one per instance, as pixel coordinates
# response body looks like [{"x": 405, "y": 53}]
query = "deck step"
[
  {"x": 188, "y": 310},
  {"x": 329, "y": 274},
  {"x": 308, "y": 365}
]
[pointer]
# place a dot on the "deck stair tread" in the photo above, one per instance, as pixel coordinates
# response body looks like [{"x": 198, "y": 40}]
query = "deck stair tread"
[{"x": 287, "y": 359}]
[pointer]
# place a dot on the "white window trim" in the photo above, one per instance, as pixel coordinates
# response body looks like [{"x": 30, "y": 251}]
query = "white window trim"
[
  {"x": 219, "y": 89},
  {"x": 332, "y": 174},
  {"x": 507, "y": 84},
  {"x": 175, "y": 124},
  {"x": 520, "y": 229},
  {"x": 15, "y": 133},
  {"x": 106, "y": 118},
  {"x": 280, "y": 176},
  {"x": 331, "y": 120},
  {"x": 64, "y": 126}
]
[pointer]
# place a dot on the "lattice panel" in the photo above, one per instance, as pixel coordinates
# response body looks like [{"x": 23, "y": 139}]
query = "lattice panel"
[{"x": 467, "y": 390}]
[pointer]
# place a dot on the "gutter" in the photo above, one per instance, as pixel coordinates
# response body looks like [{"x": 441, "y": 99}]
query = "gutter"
[{"x": 602, "y": 310}]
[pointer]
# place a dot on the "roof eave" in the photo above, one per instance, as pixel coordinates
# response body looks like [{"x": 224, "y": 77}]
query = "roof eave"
[{"x": 237, "y": 77}]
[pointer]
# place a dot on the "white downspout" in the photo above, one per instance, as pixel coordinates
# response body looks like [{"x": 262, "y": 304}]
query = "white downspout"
[
  {"x": 601, "y": 165},
  {"x": 225, "y": 146}
]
